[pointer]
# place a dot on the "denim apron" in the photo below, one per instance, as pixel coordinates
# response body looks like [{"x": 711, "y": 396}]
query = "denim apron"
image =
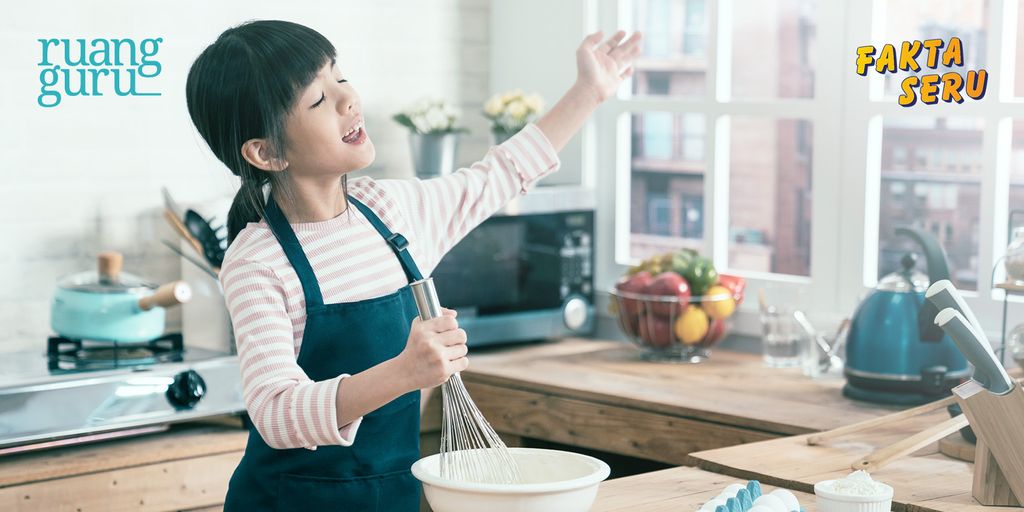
[{"x": 374, "y": 473}]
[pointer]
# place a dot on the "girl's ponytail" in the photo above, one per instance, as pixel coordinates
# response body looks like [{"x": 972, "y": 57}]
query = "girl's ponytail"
[{"x": 247, "y": 207}]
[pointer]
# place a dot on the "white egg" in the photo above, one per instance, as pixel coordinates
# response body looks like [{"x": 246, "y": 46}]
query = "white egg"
[
  {"x": 732, "y": 489},
  {"x": 710, "y": 505},
  {"x": 761, "y": 508},
  {"x": 772, "y": 502},
  {"x": 788, "y": 498}
]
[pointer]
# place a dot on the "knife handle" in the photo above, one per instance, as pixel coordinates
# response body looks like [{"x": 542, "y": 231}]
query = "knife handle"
[{"x": 987, "y": 370}]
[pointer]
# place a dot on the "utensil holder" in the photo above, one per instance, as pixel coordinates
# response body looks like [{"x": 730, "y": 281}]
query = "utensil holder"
[{"x": 999, "y": 459}]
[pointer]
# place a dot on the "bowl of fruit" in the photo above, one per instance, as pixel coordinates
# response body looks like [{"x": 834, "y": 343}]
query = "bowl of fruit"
[{"x": 675, "y": 305}]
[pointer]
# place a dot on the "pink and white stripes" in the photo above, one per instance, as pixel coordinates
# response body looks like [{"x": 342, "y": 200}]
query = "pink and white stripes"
[{"x": 352, "y": 262}]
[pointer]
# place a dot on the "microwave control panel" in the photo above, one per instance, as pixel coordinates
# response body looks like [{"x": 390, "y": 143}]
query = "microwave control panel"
[{"x": 577, "y": 255}]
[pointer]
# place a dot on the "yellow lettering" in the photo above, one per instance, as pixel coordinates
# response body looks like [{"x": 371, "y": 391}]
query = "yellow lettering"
[
  {"x": 977, "y": 82},
  {"x": 908, "y": 98},
  {"x": 908, "y": 55},
  {"x": 864, "y": 59},
  {"x": 952, "y": 82},
  {"x": 954, "y": 53},
  {"x": 929, "y": 86},
  {"x": 932, "y": 45},
  {"x": 886, "y": 60}
]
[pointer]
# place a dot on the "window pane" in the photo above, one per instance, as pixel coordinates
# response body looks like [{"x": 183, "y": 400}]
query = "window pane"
[
  {"x": 667, "y": 186},
  {"x": 931, "y": 179},
  {"x": 674, "y": 58},
  {"x": 770, "y": 195},
  {"x": 1017, "y": 174},
  {"x": 914, "y": 20},
  {"x": 773, "y": 42},
  {"x": 1018, "y": 87}
]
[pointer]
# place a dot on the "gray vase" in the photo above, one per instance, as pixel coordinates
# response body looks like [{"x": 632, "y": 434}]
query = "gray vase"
[
  {"x": 433, "y": 154},
  {"x": 502, "y": 135}
]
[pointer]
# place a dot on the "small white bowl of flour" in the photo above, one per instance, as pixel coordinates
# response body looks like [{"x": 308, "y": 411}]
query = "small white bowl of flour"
[{"x": 857, "y": 492}]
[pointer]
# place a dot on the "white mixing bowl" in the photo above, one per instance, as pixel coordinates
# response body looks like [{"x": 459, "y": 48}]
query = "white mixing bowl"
[{"x": 553, "y": 481}]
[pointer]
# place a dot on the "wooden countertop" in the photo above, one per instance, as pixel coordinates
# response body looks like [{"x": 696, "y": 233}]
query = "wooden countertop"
[
  {"x": 730, "y": 388},
  {"x": 925, "y": 481},
  {"x": 592, "y": 394},
  {"x": 185, "y": 467},
  {"x": 671, "y": 490}
]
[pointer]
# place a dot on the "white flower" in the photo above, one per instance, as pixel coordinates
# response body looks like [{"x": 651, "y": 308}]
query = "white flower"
[
  {"x": 433, "y": 116},
  {"x": 436, "y": 119},
  {"x": 421, "y": 124},
  {"x": 494, "y": 105},
  {"x": 517, "y": 110}
]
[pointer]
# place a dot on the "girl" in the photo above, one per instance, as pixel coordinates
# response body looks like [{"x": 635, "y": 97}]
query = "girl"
[{"x": 317, "y": 271}]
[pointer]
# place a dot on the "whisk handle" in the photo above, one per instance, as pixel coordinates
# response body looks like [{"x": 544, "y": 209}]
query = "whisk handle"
[{"x": 426, "y": 298}]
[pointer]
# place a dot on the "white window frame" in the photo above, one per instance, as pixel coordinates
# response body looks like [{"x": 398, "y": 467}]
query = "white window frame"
[{"x": 845, "y": 166}]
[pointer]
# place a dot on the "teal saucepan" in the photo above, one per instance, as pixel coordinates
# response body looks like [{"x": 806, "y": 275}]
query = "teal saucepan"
[{"x": 107, "y": 304}]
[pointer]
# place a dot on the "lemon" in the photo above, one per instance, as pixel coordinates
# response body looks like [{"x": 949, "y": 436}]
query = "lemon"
[
  {"x": 718, "y": 302},
  {"x": 692, "y": 325}
]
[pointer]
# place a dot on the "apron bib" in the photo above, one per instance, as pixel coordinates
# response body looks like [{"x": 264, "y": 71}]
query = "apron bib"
[{"x": 374, "y": 473}]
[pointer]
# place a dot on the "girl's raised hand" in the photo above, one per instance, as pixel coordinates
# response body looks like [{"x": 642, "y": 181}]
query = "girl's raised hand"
[{"x": 601, "y": 67}]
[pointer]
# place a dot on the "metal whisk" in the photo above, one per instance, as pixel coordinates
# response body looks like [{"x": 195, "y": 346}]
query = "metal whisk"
[{"x": 471, "y": 450}]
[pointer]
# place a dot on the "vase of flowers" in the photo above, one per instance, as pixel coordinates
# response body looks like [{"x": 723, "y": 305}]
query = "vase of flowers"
[
  {"x": 510, "y": 111},
  {"x": 433, "y": 136}
]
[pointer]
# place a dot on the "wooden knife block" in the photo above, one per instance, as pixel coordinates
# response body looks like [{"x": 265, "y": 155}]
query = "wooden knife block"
[{"x": 998, "y": 422}]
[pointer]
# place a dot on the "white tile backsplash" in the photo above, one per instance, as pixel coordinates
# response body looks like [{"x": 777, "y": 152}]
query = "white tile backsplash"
[{"x": 85, "y": 176}]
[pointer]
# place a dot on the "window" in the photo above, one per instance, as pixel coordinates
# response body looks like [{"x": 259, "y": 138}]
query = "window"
[
  {"x": 772, "y": 43},
  {"x": 667, "y": 176},
  {"x": 675, "y": 47},
  {"x": 770, "y": 197},
  {"x": 769, "y": 203},
  {"x": 786, "y": 167},
  {"x": 946, "y": 200}
]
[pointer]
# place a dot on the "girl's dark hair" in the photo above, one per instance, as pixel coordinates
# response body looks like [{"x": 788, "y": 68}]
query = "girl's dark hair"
[{"x": 242, "y": 87}]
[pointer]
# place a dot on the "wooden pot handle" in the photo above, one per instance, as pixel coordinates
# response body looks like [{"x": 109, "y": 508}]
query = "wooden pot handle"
[{"x": 170, "y": 294}]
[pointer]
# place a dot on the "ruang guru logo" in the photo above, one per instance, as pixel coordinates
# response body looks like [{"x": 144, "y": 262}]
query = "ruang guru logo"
[
  {"x": 950, "y": 86},
  {"x": 75, "y": 67}
]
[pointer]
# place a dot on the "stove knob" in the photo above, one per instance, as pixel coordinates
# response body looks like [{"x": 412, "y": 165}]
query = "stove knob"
[{"x": 186, "y": 390}]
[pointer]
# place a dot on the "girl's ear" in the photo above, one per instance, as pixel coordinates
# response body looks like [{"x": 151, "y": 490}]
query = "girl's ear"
[{"x": 257, "y": 153}]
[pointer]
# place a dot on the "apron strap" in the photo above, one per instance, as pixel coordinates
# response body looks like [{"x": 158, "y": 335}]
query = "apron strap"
[
  {"x": 397, "y": 242},
  {"x": 293, "y": 250}
]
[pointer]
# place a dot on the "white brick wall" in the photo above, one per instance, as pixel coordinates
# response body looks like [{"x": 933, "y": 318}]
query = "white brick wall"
[{"x": 86, "y": 176}]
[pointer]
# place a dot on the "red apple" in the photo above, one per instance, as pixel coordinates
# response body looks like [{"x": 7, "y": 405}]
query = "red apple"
[
  {"x": 636, "y": 283},
  {"x": 656, "y": 330},
  {"x": 669, "y": 284}
]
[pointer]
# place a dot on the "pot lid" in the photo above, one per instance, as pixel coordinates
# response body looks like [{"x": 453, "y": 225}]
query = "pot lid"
[
  {"x": 907, "y": 280},
  {"x": 94, "y": 282},
  {"x": 107, "y": 278}
]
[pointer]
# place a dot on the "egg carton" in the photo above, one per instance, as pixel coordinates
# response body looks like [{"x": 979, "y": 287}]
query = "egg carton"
[{"x": 748, "y": 498}]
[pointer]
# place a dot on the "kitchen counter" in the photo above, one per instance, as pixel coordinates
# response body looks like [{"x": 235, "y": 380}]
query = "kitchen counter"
[
  {"x": 601, "y": 395},
  {"x": 187, "y": 467},
  {"x": 584, "y": 393},
  {"x": 924, "y": 481}
]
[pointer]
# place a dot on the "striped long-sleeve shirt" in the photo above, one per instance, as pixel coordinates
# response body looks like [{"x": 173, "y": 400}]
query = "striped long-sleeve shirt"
[{"x": 352, "y": 262}]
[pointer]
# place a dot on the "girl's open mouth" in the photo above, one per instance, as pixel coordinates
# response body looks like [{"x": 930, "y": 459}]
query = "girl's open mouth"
[{"x": 356, "y": 137}]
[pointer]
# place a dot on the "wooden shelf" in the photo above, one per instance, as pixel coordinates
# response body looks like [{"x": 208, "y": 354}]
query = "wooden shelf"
[{"x": 1011, "y": 286}]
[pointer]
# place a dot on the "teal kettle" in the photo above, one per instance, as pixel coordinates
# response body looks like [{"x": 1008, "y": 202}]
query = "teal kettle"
[{"x": 895, "y": 353}]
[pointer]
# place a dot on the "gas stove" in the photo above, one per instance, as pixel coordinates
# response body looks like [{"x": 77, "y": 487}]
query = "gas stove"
[{"x": 82, "y": 391}]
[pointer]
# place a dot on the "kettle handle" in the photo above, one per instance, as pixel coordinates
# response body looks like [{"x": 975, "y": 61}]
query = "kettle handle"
[{"x": 937, "y": 271}]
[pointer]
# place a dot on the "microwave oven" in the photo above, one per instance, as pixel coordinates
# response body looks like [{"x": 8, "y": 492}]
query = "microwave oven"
[{"x": 527, "y": 272}]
